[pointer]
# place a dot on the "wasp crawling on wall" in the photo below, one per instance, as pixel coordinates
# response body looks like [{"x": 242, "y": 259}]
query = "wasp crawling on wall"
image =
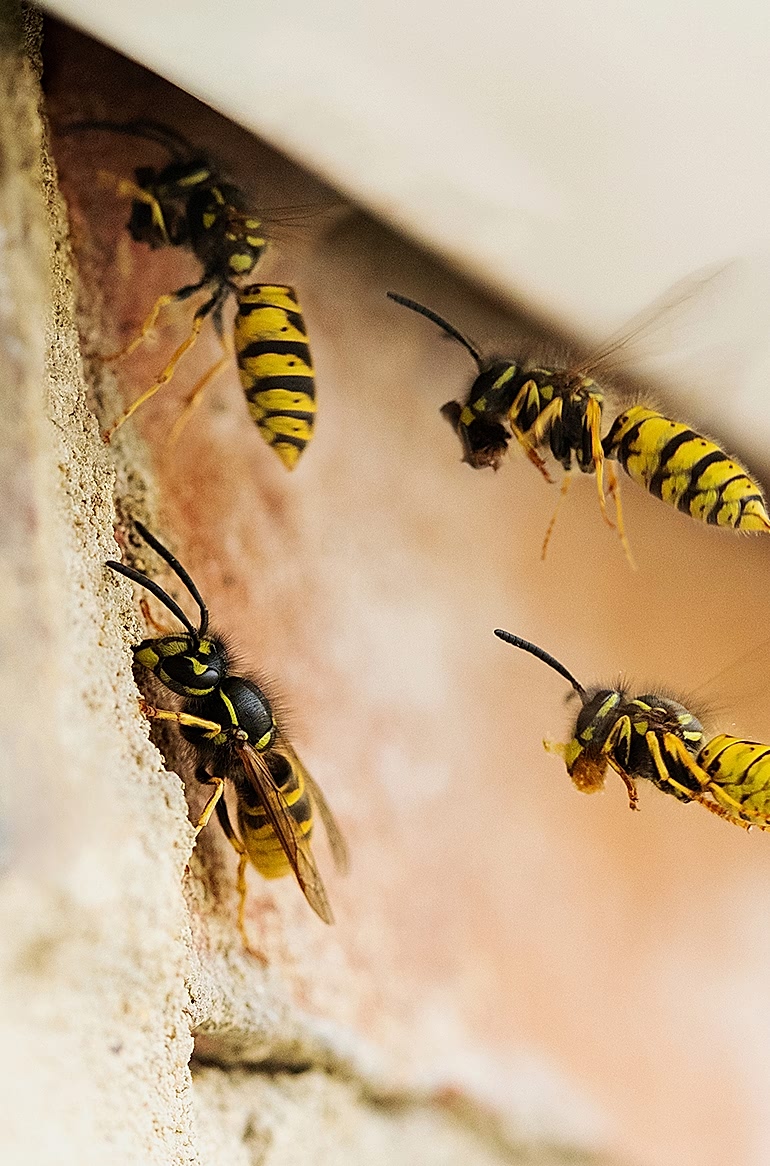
[
  {"x": 561, "y": 408},
  {"x": 230, "y": 723},
  {"x": 187, "y": 204},
  {"x": 654, "y": 737}
]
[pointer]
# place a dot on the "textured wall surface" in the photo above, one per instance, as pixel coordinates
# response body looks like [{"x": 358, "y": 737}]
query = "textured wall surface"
[
  {"x": 517, "y": 973},
  {"x": 95, "y": 951}
]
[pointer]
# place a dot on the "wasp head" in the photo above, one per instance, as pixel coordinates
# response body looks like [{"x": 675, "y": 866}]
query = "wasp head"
[
  {"x": 187, "y": 665},
  {"x": 190, "y": 663}
]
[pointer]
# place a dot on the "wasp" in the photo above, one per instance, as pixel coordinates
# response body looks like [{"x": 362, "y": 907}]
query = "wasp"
[
  {"x": 656, "y": 738},
  {"x": 562, "y": 408},
  {"x": 187, "y": 204},
  {"x": 230, "y": 723}
]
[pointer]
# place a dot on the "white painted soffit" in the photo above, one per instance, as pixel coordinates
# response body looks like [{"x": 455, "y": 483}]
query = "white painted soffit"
[{"x": 581, "y": 154}]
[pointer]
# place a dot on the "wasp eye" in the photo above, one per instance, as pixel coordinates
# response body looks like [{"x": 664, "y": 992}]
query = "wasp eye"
[{"x": 191, "y": 673}]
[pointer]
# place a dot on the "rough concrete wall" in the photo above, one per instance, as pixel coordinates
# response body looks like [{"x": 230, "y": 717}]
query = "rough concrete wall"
[{"x": 96, "y": 1035}]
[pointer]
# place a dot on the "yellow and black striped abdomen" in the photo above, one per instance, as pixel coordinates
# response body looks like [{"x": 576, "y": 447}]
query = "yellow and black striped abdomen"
[
  {"x": 275, "y": 368},
  {"x": 686, "y": 470},
  {"x": 740, "y": 776},
  {"x": 260, "y": 839}
]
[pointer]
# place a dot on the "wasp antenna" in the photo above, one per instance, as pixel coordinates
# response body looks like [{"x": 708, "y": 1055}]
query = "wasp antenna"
[
  {"x": 157, "y": 131},
  {"x": 541, "y": 654},
  {"x": 154, "y": 589},
  {"x": 180, "y": 572},
  {"x": 443, "y": 324},
  {"x": 178, "y": 146}
]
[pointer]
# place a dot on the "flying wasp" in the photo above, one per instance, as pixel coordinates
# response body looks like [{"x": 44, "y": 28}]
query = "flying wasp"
[
  {"x": 187, "y": 204},
  {"x": 231, "y": 724},
  {"x": 562, "y": 408},
  {"x": 655, "y": 737}
]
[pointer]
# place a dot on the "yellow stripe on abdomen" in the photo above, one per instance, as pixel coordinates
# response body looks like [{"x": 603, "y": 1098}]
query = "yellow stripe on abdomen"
[
  {"x": 686, "y": 470},
  {"x": 260, "y": 839},
  {"x": 275, "y": 368},
  {"x": 740, "y": 776},
  {"x": 262, "y": 844}
]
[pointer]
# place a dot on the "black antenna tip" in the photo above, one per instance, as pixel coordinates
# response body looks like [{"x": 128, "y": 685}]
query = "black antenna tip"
[{"x": 541, "y": 654}]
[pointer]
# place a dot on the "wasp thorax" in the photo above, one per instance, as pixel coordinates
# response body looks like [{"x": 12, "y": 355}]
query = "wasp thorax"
[{"x": 185, "y": 664}]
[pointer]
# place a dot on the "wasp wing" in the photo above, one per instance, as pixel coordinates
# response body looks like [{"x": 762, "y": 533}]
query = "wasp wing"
[
  {"x": 337, "y": 843},
  {"x": 296, "y": 847},
  {"x": 712, "y": 321},
  {"x": 734, "y": 698}
]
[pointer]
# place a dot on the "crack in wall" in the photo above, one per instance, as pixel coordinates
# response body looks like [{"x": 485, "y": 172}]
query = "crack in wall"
[{"x": 458, "y": 1120}]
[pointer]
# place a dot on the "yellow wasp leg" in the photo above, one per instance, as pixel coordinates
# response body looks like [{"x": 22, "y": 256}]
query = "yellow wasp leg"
[
  {"x": 162, "y": 380},
  {"x": 621, "y": 726},
  {"x": 562, "y": 494},
  {"x": 125, "y": 188},
  {"x": 144, "y": 331},
  {"x": 683, "y": 756},
  {"x": 594, "y": 421},
  {"x": 613, "y": 489},
  {"x": 700, "y": 775},
  {"x": 155, "y": 714},
  {"x": 727, "y": 807},
  {"x": 242, "y": 887},
  {"x": 628, "y": 782},
  {"x": 523, "y": 438},
  {"x": 196, "y": 396},
  {"x": 210, "y": 806},
  {"x": 724, "y": 812}
]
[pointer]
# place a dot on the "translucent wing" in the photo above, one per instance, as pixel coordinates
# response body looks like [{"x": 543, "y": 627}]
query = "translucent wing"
[
  {"x": 295, "y": 845},
  {"x": 737, "y": 696},
  {"x": 337, "y": 843},
  {"x": 297, "y": 213},
  {"x": 724, "y": 304}
]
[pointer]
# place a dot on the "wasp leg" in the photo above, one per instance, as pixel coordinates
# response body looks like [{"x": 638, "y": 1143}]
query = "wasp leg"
[
  {"x": 724, "y": 812},
  {"x": 149, "y": 322},
  {"x": 144, "y": 331},
  {"x": 156, "y": 714},
  {"x": 211, "y": 305},
  {"x": 125, "y": 188},
  {"x": 613, "y": 489},
  {"x": 621, "y": 728},
  {"x": 211, "y": 804},
  {"x": 688, "y": 761},
  {"x": 243, "y": 861},
  {"x": 163, "y": 379},
  {"x": 594, "y": 423},
  {"x": 674, "y": 745},
  {"x": 562, "y": 494},
  {"x": 532, "y": 438},
  {"x": 629, "y": 783},
  {"x": 195, "y": 398},
  {"x": 727, "y": 807}
]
